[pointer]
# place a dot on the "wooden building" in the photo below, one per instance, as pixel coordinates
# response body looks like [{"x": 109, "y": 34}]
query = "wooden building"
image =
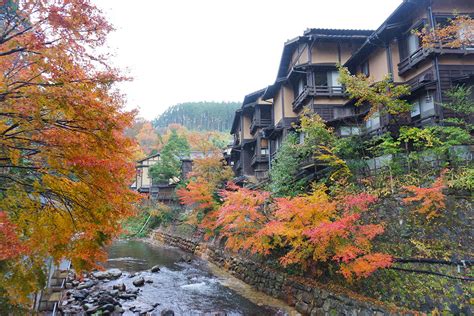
[
  {"x": 394, "y": 49},
  {"x": 308, "y": 78},
  {"x": 143, "y": 180}
]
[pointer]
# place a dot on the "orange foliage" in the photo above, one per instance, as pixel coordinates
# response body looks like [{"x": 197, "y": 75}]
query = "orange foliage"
[
  {"x": 148, "y": 138},
  {"x": 241, "y": 216},
  {"x": 197, "y": 195},
  {"x": 65, "y": 162},
  {"x": 458, "y": 32},
  {"x": 207, "y": 176},
  {"x": 10, "y": 245},
  {"x": 430, "y": 201},
  {"x": 317, "y": 228}
]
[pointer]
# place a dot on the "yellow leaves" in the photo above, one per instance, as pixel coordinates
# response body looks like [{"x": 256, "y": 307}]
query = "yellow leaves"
[{"x": 382, "y": 96}]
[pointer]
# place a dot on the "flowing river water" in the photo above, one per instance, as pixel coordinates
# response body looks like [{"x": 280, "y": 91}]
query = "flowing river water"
[{"x": 186, "y": 288}]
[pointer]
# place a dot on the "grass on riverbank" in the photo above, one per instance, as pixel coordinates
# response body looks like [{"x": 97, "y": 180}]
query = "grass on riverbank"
[{"x": 148, "y": 218}]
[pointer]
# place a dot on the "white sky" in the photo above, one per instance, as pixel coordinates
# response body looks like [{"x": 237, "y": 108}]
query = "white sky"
[{"x": 216, "y": 50}]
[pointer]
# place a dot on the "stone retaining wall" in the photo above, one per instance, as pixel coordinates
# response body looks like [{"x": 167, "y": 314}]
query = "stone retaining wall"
[{"x": 308, "y": 297}]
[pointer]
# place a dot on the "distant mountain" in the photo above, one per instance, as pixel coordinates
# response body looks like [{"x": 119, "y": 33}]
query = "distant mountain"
[{"x": 209, "y": 116}]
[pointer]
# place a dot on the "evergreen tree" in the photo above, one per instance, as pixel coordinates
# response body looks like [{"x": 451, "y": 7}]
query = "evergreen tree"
[
  {"x": 284, "y": 169},
  {"x": 200, "y": 116},
  {"x": 169, "y": 165}
]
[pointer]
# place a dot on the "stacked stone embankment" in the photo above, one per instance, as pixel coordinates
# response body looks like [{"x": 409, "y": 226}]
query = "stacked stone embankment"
[{"x": 308, "y": 297}]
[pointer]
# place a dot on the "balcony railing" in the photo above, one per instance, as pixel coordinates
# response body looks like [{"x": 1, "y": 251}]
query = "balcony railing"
[
  {"x": 259, "y": 158},
  {"x": 417, "y": 56},
  {"x": 259, "y": 123},
  {"x": 422, "y": 53},
  {"x": 318, "y": 91}
]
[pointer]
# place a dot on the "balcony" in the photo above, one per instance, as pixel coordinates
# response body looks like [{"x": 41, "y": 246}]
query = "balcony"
[
  {"x": 318, "y": 91},
  {"x": 259, "y": 123},
  {"x": 259, "y": 159},
  {"x": 412, "y": 60},
  {"x": 422, "y": 53}
]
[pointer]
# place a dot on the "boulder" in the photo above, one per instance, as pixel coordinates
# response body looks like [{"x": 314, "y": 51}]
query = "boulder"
[
  {"x": 127, "y": 296},
  {"x": 187, "y": 258},
  {"x": 167, "y": 312},
  {"x": 80, "y": 295},
  {"x": 108, "y": 307},
  {"x": 114, "y": 273},
  {"x": 155, "y": 269},
  {"x": 90, "y": 308},
  {"x": 121, "y": 287},
  {"x": 85, "y": 285},
  {"x": 148, "y": 281},
  {"x": 100, "y": 275},
  {"x": 139, "y": 282},
  {"x": 107, "y": 299}
]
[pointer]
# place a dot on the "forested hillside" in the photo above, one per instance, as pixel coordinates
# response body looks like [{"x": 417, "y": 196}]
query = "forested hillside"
[{"x": 207, "y": 116}]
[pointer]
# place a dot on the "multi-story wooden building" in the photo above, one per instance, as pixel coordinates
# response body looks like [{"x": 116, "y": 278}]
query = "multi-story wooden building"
[
  {"x": 308, "y": 78},
  {"x": 394, "y": 49},
  {"x": 143, "y": 179},
  {"x": 250, "y": 154}
]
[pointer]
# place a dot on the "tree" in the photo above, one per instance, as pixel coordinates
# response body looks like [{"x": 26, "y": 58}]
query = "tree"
[
  {"x": 457, "y": 32},
  {"x": 209, "y": 175},
  {"x": 316, "y": 228},
  {"x": 284, "y": 169},
  {"x": 65, "y": 163},
  {"x": 240, "y": 218},
  {"x": 199, "y": 116},
  {"x": 430, "y": 200},
  {"x": 148, "y": 138},
  {"x": 169, "y": 165},
  {"x": 383, "y": 96}
]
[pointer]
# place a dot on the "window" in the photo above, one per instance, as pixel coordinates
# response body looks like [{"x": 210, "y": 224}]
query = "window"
[
  {"x": 320, "y": 78},
  {"x": 415, "y": 110},
  {"x": 264, "y": 146},
  {"x": 373, "y": 122},
  {"x": 333, "y": 78},
  {"x": 423, "y": 106},
  {"x": 427, "y": 105},
  {"x": 364, "y": 68},
  {"x": 299, "y": 86},
  {"x": 413, "y": 43},
  {"x": 349, "y": 130}
]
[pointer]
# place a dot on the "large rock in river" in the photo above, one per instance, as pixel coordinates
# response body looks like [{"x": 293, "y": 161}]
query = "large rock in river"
[{"x": 139, "y": 282}]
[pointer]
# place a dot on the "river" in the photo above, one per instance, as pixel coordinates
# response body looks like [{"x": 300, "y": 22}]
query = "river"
[{"x": 187, "y": 288}]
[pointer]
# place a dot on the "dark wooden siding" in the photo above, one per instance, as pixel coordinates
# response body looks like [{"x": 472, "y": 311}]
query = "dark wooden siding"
[{"x": 448, "y": 74}]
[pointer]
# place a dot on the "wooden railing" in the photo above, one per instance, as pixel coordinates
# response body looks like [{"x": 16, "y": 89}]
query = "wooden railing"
[
  {"x": 259, "y": 122},
  {"x": 327, "y": 91},
  {"x": 422, "y": 52}
]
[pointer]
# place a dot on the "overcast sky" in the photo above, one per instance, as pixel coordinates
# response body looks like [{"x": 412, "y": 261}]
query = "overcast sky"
[{"x": 216, "y": 50}]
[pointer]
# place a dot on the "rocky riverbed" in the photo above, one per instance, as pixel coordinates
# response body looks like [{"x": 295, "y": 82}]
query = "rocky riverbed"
[{"x": 143, "y": 279}]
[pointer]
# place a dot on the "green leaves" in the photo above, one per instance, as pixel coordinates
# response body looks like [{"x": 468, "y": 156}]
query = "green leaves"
[
  {"x": 169, "y": 165},
  {"x": 383, "y": 96}
]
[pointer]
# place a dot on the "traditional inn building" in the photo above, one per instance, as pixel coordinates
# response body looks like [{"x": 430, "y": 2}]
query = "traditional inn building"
[
  {"x": 143, "y": 180},
  {"x": 307, "y": 77}
]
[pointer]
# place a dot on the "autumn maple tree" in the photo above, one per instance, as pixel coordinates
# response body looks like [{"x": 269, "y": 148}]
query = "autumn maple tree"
[
  {"x": 429, "y": 201},
  {"x": 240, "y": 218},
  {"x": 318, "y": 228},
  {"x": 65, "y": 163},
  {"x": 209, "y": 175},
  {"x": 455, "y": 33}
]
